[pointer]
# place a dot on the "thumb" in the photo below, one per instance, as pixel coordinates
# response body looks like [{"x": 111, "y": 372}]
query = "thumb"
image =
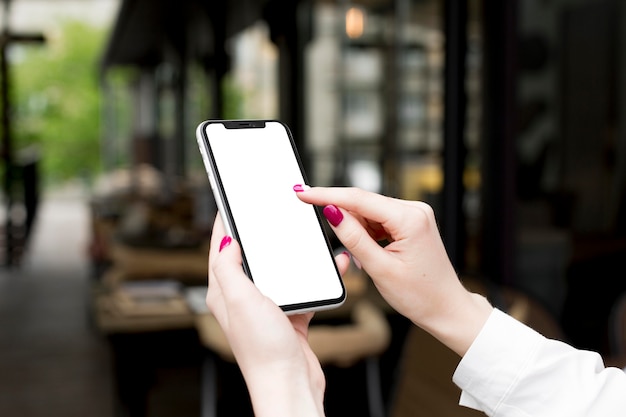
[{"x": 228, "y": 272}]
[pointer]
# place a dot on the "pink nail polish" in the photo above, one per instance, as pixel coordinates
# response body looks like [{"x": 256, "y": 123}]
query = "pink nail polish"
[
  {"x": 333, "y": 215},
  {"x": 298, "y": 188},
  {"x": 226, "y": 240}
]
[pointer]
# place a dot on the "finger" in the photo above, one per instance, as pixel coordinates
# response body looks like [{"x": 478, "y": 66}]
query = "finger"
[
  {"x": 215, "y": 303},
  {"x": 214, "y": 299},
  {"x": 383, "y": 217},
  {"x": 217, "y": 235},
  {"x": 343, "y": 262},
  {"x": 230, "y": 290},
  {"x": 228, "y": 272},
  {"x": 225, "y": 272},
  {"x": 300, "y": 323},
  {"x": 369, "y": 205},
  {"x": 358, "y": 241},
  {"x": 219, "y": 231}
]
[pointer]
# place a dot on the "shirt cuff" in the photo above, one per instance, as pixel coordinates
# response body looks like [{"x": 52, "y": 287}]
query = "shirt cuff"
[{"x": 495, "y": 360}]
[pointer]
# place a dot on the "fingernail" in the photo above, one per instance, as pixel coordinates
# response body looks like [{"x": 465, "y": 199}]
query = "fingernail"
[
  {"x": 333, "y": 215},
  {"x": 298, "y": 188},
  {"x": 225, "y": 242}
]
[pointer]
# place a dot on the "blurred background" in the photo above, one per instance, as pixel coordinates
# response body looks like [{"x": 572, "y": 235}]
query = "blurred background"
[{"x": 508, "y": 117}]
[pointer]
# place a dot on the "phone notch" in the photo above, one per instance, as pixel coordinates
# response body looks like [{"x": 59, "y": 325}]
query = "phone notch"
[{"x": 244, "y": 124}]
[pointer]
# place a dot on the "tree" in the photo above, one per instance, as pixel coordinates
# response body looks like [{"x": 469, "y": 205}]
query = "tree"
[{"x": 57, "y": 101}]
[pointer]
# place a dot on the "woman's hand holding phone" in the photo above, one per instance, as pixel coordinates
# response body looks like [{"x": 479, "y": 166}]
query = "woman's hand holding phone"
[
  {"x": 412, "y": 272},
  {"x": 271, "y": 348}
]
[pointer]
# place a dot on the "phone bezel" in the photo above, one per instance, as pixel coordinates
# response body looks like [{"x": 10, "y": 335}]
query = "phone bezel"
[{"x": 226, "y": 213}]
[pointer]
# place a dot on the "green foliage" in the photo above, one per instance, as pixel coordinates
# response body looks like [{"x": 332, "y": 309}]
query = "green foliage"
[
  {"x": 233, "y": 99},
  {"x": 57, "y": 101}
]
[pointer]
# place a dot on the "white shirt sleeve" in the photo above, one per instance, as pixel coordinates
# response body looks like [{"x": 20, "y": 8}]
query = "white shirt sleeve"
[{"x": 511, "y": 370}]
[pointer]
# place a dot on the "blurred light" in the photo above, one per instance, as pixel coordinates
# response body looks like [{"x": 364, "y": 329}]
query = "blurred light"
[
  {"x": 355, "y": 22},
  {"x": 366, "y": 175}
]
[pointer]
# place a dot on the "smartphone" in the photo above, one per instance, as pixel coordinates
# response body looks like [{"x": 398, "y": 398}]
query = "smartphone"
[{"x": 252, "y": 167}]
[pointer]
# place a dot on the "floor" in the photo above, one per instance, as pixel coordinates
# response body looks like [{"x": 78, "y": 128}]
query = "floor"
[{"x": 52, "y": 363}]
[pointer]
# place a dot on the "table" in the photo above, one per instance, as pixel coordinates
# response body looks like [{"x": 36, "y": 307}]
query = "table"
[{"x": 362, "y": 335}]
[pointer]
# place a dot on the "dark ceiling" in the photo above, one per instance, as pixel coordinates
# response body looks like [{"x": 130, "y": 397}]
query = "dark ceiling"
[{"x": 147, "y": 32}]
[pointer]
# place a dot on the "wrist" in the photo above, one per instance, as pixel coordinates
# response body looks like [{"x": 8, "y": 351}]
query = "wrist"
[
  {"x": 279, "y": 393},
  {"x": 458, "y": 326}
]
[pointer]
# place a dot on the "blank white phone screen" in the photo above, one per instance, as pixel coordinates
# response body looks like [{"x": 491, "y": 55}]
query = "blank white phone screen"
[{"x": 286, "y": 251}]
